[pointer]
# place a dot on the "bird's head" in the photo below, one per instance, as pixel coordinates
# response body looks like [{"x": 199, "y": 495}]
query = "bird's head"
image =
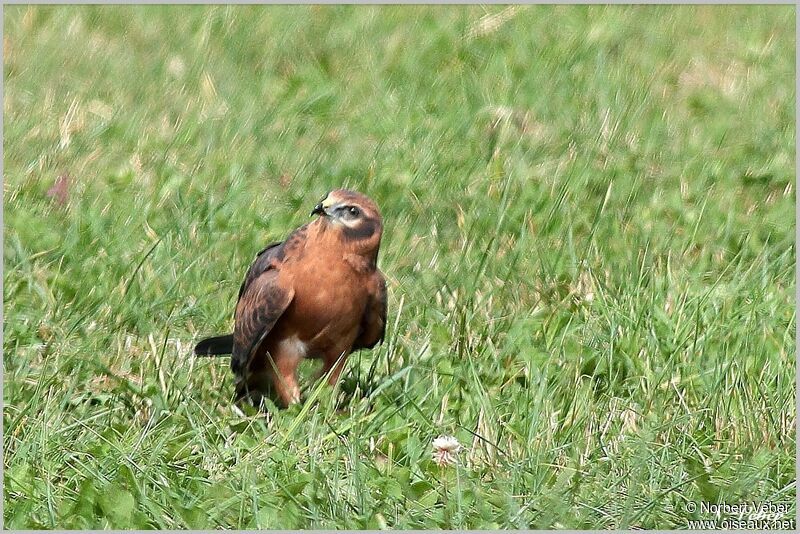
[{"x": 354, "y": 217}]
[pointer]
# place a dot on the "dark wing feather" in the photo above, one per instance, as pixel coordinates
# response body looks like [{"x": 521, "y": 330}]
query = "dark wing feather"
[
  {"x": 221, "y": 345},
  {"x": 263, "y": 298},
  {"x": 270, "y": 254},
  {"x": 373, "y": 323}
]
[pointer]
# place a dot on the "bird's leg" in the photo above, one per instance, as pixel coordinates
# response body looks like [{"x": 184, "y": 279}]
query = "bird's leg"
[
  {"x": 333, "y": 362},
  {"x": 284, "y": 377},
  {"x": 255, "y": 387}
]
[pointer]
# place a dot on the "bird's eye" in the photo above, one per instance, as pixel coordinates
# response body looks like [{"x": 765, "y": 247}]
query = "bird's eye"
[{"x": 353, "y": 211}]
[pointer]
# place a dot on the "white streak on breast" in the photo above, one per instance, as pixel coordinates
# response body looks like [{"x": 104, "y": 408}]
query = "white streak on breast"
[{"x": 293, "y": 347}]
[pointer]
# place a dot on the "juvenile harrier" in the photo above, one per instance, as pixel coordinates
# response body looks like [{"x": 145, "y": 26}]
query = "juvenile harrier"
[{"x": 319, "y": 294}]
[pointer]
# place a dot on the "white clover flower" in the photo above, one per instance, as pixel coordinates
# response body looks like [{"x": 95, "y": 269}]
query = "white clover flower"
[{"x": 445, "y": 449}]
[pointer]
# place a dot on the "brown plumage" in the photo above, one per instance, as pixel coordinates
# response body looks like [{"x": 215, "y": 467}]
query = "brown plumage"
[{"x": 319, "y": 294}]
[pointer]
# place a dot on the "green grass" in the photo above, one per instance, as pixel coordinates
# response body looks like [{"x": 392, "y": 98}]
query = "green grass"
[{"x": 589, "y": 247}]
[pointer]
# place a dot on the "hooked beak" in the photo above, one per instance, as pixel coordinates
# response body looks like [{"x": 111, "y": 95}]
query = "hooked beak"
[
  {"x": 322, "y": 206},
  {"x": 319, "y": 209}
]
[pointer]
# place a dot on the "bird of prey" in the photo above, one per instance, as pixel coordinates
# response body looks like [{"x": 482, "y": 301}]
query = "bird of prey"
[{"x": 318, "y": 294}]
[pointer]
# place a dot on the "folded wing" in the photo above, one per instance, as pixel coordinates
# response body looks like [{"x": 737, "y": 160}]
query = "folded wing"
[
  {"x": 263, "y": 298},
  {"x": 373, "y": 323}
]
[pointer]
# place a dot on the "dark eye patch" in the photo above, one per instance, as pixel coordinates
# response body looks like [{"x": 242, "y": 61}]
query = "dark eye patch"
[{"x": 364, "y": 230}]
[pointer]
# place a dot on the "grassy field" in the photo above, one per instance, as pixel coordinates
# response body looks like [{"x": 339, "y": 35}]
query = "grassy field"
[{"x": 589, "y": 247}]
